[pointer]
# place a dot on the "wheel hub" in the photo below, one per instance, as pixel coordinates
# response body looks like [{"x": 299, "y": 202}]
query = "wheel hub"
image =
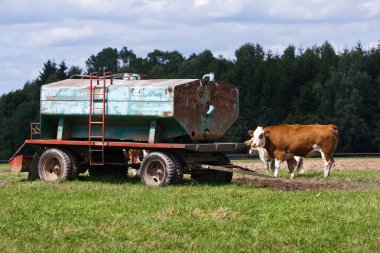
[
  {"x": 52, "y": 169},
  {"x": 155, "y": 173}
]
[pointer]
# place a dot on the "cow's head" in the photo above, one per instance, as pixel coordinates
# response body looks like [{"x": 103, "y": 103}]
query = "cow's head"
[{"x": 258, "y": 138}]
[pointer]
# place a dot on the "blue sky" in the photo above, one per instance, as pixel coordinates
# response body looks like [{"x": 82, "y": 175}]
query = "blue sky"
[{"x": 31, "y": 32}]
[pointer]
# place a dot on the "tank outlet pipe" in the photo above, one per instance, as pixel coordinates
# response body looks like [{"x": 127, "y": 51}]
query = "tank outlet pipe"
[
  {"x": 210, "y": 110},
  {"x": 210, "y": 76}
]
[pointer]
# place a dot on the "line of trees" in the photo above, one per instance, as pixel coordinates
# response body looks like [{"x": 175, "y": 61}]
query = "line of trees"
[{"x": 316, "y": 85}]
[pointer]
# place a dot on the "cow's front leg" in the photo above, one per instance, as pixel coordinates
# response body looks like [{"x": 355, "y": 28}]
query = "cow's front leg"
[
  {"x": 278, "y": 158},
  {"x": 277, "y": 164}
]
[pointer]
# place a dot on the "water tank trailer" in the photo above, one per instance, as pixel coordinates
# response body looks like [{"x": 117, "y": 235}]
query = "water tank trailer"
[{"x": 93, "y": 123}]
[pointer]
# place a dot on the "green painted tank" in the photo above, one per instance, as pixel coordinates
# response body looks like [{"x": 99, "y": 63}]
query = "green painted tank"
[{"x": 162, "y": 110}]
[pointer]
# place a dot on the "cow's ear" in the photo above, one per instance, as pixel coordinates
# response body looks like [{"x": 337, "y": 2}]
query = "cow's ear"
[
  {"x": 250, "y": 132},
  {"x": 266, "y": 132},
  {"x": 248, "y": 143}
]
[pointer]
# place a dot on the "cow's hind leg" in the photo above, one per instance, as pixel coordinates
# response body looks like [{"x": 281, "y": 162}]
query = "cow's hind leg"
[
  {"x": 291, "y": 166},
  {"x": 299, "y": 166},
  {"x": 266, "y": 164},
  {"x": 328, "y": 161},
  {"x": 272, "y": 166}
]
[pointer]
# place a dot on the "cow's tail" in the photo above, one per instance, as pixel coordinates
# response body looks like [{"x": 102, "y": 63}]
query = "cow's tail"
[
  {"x": 334, "y": 130},
  {"x": 334, "y": 140}
]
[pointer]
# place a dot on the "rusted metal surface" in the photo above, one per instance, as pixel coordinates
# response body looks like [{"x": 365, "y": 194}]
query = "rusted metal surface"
[
  {"x": 206, "y": 110},
  {"x": 35, "y": 130},
  {"x": 20, "y": 163},
  {"x": 199, "y": 109},
  {"x": 18, "y": 150}
]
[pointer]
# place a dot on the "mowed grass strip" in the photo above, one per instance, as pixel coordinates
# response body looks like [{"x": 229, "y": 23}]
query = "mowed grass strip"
[
  {"x": 120, "y": 215},
  {"x": 4, "y": 167}
]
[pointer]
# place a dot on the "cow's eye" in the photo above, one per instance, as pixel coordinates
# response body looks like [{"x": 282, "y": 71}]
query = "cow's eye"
[{"x": 261, "y": 136}]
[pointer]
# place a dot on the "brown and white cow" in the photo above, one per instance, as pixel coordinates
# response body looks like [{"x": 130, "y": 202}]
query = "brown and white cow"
[
  {"x": 285, "y": 141},
  {"x": 294, "y": 163}
]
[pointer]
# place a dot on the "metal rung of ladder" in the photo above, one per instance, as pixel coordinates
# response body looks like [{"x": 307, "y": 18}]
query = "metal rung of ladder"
[
  {"x": 95, "y": 150},
  {"x": 98, "y": 92}
]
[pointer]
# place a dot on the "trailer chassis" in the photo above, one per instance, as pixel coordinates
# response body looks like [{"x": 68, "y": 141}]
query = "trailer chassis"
[{"x": 165, "y": 163}]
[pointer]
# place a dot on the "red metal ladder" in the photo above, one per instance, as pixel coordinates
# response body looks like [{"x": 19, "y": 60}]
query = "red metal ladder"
[{"x": 96, "y": 116}]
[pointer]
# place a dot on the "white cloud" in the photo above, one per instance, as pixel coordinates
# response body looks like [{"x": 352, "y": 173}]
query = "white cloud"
[
  {"x": 371, "y": 7},
  {"x": 31, "y": 32},
  {"x": 200, "y": 3},
  {"x": 373, "y": 44},
  {"x": 309, "y": 10},
  {"x": 52, "y": 36}
]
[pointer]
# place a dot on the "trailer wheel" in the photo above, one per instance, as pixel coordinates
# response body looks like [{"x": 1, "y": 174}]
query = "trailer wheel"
[
  {"x": 33, "y": 171},
  {"x": 75, "y": 167},
  {"x": 54, "y": 165},
  {"x": 178, "y": 166},
  {"x": 158, "y": 169}
]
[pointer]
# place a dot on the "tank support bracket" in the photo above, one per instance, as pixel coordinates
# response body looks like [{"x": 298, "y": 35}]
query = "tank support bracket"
[
  {"x": 60, "y": 129},
  {"x": 152, "y": 132}
]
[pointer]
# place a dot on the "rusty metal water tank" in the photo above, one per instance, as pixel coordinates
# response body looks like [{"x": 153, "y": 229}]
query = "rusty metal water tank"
[{"x": 195, "y": 109}]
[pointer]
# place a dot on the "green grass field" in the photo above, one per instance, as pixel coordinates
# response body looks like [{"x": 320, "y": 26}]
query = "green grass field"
[
  {"x": 4, "y": 167},
  {"x": 120, "y": 215}
]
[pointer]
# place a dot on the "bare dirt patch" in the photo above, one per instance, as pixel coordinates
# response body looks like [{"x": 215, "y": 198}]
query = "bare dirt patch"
[
  {"x": 316, "y": 164},
  {"x": 286, "y": 184},
  {"x": 282, "y": 185},
  {"x": 3, "y": 182}
]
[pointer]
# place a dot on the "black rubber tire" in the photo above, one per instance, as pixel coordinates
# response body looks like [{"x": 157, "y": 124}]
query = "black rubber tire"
[
  {"x": 54, "y": 165},
  {"x": 178, "y": 166},
  {"x": 33, "y": 170},
  {"x": 75, "y": 167},
  {"x": 158, "y": 169}
]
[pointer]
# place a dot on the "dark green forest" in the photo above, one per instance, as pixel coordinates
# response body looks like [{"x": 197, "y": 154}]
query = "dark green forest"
[{"x": 316, "y": 85}]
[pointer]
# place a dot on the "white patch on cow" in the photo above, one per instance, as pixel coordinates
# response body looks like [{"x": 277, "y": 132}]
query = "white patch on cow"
[
  {"x": 316, "y": 148},
  {"x": 258, "y": 138}
]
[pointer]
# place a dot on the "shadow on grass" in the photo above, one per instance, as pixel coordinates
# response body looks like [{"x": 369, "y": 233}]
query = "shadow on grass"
[
  {"x": 111, "y": 178},
  {"x": 312, "y": 174}
]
